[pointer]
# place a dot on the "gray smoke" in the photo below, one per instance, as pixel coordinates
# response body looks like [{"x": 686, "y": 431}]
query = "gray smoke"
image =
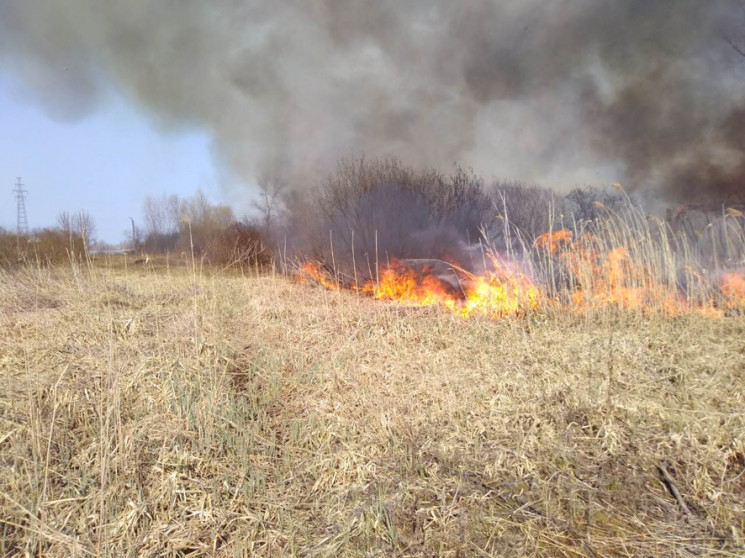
[{"x": 565, "y": 92}]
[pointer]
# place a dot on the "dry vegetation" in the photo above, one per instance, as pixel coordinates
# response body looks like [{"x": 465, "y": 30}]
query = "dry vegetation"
[{"x": 160, "y": 412}]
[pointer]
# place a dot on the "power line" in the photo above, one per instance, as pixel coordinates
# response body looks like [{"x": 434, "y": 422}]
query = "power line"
[{"x": 22, "y": 221}]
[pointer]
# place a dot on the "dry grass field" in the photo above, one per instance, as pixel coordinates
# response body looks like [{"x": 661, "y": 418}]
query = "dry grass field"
[{"x": 181, "y": 412}]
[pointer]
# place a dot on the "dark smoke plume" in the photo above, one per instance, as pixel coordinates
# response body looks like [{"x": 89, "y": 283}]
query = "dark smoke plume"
[{"x": 565, "y": 92}]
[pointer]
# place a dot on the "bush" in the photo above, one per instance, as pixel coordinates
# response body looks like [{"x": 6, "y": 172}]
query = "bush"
[
  {"x": 241, "y": 244},
  {"x": 387, "y": 209},
  {"x": 45, "y": 246},
  {"x": 590, "y": 203},
  {"x": 529, "y": 211},
  {"x": 160, "y": 243},
  {"x": 9, "y": 253}
]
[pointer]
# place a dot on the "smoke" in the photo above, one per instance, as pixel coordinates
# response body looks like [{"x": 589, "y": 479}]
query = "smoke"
[{"x": 566, "y": 92}]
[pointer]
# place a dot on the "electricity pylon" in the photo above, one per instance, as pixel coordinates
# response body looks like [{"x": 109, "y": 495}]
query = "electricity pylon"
[{"x": 22, "y": 220}]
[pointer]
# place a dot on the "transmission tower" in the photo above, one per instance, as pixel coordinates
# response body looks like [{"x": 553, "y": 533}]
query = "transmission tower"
[{"x": 22, "y": 222}]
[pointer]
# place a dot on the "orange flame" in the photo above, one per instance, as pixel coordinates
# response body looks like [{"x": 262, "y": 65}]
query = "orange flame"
[
  {"x": 312, "y": 271},
  {"x": 613, "y": 278},
  {"x": 405, "y": 285},
  {"x": 553, "y": 240},
  {"x": 591, "y": 276},
  {"x": 499, "y": 293},
  {"x": 733, "y": 287}
]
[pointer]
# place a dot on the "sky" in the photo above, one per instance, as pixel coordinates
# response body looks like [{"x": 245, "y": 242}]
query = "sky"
[{"x": 105, "y": 163}]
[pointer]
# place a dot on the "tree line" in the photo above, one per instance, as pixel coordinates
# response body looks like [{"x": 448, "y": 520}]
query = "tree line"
[{"x": 364, "y": 209}]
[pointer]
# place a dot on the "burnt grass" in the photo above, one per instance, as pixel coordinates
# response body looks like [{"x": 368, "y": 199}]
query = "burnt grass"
[{"x": 174, "y": 411}]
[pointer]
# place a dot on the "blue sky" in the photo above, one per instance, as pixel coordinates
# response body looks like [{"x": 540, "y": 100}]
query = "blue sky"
[{"x": 106, "y": 163}]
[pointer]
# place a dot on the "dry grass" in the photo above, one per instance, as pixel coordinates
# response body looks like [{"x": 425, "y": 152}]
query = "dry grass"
[{"x": 169, "y": 412}]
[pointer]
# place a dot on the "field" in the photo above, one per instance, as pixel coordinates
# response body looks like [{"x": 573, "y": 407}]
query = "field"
[{"x": 174, "y": 411}]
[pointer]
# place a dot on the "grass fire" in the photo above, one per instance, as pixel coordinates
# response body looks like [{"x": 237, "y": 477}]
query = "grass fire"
[
  {"x": 447, "y": 374},
  {"x": 372, "y": 278},
  {"x": 636, "y": 270}
]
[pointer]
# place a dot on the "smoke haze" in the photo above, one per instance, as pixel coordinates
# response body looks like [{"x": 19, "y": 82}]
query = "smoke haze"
[{"x": 565, "y": 93}]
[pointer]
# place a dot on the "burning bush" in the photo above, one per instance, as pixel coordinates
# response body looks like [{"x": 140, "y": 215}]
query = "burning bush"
[{"x": 623, "y": 259}]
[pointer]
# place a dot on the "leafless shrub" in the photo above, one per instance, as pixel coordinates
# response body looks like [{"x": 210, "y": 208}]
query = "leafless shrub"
[
  {"x": 591, "y": 202},
  {"x": 182, "y": 224},
  {"x": 43, "y": 246},
  {"x": 8, "y": 248},
  {"x": 383, "y": 208},
  {"x": 241, "y": 244},
  {"x": 525, "y": 212},
  {"x": 270, "y": 203},
  {"x": 160, "y": 243},
  {"x": 79, "y": 224}
]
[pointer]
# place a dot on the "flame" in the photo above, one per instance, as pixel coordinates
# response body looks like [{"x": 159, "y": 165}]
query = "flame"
[
  {"x": 733, "y": 287},
  {"x": 312, "y": 271},
  {"x": 499, "y": 293},
  {"x": 601, "y": 277},
  {"x": 552, "y": 241},
  {"x": 591, "y": 275},
  {"x": 404, "y": 284}
]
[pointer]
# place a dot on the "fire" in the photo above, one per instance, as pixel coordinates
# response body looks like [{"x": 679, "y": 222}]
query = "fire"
[
  {"x": 499, "y": 293},
  {"x": 311, "y": 270},
  {"x": 552, "y": 241},
  {"x": 733, "y": 287},
  {"x": 609, "y": 278},
  {"x": 495, "y": 297},
  {"x": 585, "y": 273},
  {"x": 405, "y": 285}
]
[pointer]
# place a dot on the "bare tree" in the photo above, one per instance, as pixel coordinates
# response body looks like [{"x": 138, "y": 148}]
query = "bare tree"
[
  {"x": 196, "y": 208},
  {"x": 202, "y": 223},
  {"x": 133, "y": 236},
  {"x": 86, "y": 225},
  {"x": 65, "y": 222},
  {"x": 172, "y": 212},
  {"x": 270, "y": 202},
  {"x": 161, "y": 216},
  {"x": 80, "y": 224}
]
